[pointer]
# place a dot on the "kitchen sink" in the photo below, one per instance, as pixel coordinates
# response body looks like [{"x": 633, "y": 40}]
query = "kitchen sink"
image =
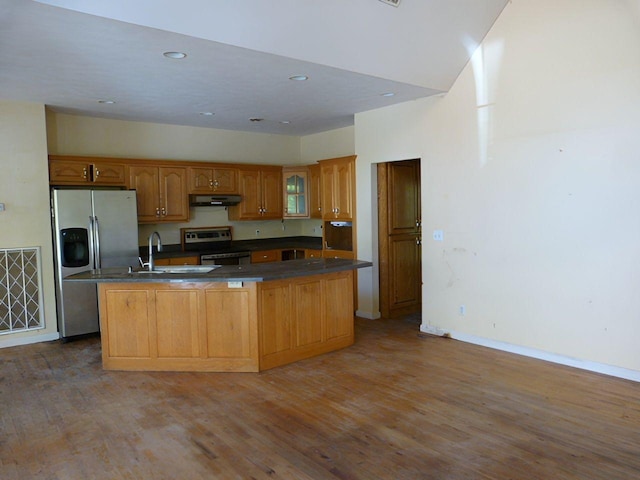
[{"x": 180, "y": 269}]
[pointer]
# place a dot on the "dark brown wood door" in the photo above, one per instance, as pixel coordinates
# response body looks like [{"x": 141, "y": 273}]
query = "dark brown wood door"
[{"x": 399, "y": 221}]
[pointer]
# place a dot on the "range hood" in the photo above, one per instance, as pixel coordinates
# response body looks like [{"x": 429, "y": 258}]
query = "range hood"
[{"x": 214, "y": 200}]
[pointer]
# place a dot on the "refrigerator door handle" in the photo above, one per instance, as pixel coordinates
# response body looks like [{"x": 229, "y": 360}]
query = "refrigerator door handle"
[{"x": 96, "y": 239}]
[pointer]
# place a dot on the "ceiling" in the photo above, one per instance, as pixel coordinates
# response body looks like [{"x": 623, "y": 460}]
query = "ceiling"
[{"x": 72, "y": 54}]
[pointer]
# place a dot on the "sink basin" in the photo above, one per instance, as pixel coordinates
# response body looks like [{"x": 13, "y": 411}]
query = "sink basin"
[{"x": 180, "y": 269}]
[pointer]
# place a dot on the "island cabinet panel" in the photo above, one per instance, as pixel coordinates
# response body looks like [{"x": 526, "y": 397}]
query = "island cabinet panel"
[
  {"x": 275, "y": 310},
  {"x": 339, "y": 318},
  {"x": 129, "y": 333},
  {"x": 229, "y": 332},
  {"x": 177, "y": 323},
  {"x": 309, "y": 324},
  {"x": 304, "y": 317},
  {"x": 179, "y": 327}
]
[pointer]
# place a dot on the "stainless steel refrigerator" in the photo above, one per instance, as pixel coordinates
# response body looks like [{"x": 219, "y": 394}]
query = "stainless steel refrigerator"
[{"x": 92, "y": 229}]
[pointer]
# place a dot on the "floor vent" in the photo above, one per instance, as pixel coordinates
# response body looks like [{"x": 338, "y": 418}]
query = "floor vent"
[{"x": 20, "y": 291}]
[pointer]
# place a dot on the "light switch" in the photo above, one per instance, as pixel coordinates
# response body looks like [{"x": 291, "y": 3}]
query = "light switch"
[
  {"x": 1, "y": 207},
  {"x": 438, "y": 235}
]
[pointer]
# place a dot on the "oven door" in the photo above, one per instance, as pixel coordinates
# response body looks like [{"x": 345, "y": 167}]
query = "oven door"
[{"x": 235, "y": 258}]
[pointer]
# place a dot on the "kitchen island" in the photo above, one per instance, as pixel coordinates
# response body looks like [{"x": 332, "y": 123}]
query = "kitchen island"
[{"x": 234, "y": 318}]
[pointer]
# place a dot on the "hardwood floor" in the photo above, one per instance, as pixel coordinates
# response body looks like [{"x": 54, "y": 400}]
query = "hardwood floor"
[{"x": 393, "y": 406}]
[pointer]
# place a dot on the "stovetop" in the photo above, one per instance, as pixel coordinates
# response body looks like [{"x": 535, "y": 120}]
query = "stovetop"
[{"x": 205, "y": 238}]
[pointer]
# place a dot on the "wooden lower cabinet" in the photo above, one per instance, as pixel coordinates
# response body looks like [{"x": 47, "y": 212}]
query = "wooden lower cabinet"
[
  {"x": 304, "y": 317},
  {"x": 211, "y": 327},
  {"x": 265, "y": 256},
  {"x": 180, "y": 327},
  {"x": 192, "y": 260}
]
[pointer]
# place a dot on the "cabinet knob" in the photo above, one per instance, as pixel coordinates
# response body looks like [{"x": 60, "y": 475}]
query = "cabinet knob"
[
  {"x": 164, "y": 211},
  {"x": 84, "y": 172},
  {"x": 157, "y": 212},
  {"x": 97, "y": 173}
]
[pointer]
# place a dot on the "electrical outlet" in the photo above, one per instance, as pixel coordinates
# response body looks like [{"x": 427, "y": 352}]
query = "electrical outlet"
[
  {"x": 462, "y": 310},
  {"x": 438, "y": 235}
]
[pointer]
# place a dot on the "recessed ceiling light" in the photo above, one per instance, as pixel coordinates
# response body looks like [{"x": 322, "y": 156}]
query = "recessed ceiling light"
[
  {"x": 387, "y": 94},
  {"x": 175, "y": 55},
  {"x": 256, "y": 119},
  {"x": 285, "y": 122},
  {"x": 299, "y": 78},
  {"x": 106, "y": 102},
  {"x": 207, "y": 114}
]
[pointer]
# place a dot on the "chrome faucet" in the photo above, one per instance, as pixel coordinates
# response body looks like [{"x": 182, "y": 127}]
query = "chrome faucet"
[{"x": 150, "y": 264}]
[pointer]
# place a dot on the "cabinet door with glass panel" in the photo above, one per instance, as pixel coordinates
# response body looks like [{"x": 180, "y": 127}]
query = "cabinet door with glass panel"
[{"x": 295, "y": 191}]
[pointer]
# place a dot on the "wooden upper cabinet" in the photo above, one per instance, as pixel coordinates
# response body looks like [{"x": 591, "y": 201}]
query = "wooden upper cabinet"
[
  {"x": 83, "y": 171},
  {"x": 161, "y": 193},
  {"x": 315, "y": 192},
  {"x": 261, "y": 191},
  {"x": 338, "y": 188},
  {"x": 213, "y": 180},
  {"x": 295, "y": 190}
]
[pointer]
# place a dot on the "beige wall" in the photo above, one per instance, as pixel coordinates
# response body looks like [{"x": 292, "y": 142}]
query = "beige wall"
[
  {"x": 331, "y": 144},
  {"x": 531, "y": 166},
  {"x": 24, "y": 189},
  {"x": 77, "y": 135}
]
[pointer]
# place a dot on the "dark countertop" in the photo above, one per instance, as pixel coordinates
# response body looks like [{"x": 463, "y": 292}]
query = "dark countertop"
[
  {"x": 175, "y": 250},
  {"x": 257, "y": 272}
]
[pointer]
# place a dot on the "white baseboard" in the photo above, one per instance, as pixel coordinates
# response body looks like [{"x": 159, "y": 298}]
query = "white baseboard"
[
  {"x": 539, "y": 354},
  {"x": 8, "y": 341},
  {"x": 368, "y": 315}
]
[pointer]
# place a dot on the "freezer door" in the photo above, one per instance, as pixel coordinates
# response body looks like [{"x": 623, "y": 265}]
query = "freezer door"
[
  {"x": 116, "y": 224},
  {"x": 76, "y": 303}
]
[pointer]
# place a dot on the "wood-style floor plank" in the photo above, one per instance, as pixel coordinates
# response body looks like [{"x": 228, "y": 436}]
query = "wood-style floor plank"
[{"x": 396, "y": 405}]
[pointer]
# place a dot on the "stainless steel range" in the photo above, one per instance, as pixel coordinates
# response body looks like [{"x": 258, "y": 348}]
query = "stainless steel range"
[{"x": 214, "y": 245}]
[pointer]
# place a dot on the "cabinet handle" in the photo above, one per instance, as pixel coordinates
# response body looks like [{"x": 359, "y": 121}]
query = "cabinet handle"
[
  {"x": 164, "y": 212},
  {"x": 97, "y": 173},
  {"x": 216, "y": 184},
  {"x": 84, "y": 172},
  {"x": 157, "y": 212},
  {"x": 417, "y": 223}
]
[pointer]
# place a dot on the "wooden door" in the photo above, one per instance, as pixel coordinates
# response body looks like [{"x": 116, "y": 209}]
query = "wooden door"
[
  {"x": 200, "y": 180},
  {"x": 174, "y": 201},
  {"x": 315, "y": 193},
  {"x": 404, "y": 190},
  {"x": 404, "y": 281},
  {"x": 144, "y": 179},
  {"x": 68, "y": 173},
  {"x": 109, "y": 174},
  {"x": 327, "y": 175},
  {"x": 343, "y": 185},
  {"x": 271, "y": 186},
  {"x": 225, "y": 180},
  {"x": 399, "y": 238},
  {"x": 249, "y": 186}
]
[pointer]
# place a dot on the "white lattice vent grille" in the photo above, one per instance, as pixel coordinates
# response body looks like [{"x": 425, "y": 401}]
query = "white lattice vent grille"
[{"x": 20, "y": 292}]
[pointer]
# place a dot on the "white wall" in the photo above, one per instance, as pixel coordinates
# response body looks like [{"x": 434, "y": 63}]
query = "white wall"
[
  {"x": 531, "y": 166},
  {"x": 24, "y": 189}
]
